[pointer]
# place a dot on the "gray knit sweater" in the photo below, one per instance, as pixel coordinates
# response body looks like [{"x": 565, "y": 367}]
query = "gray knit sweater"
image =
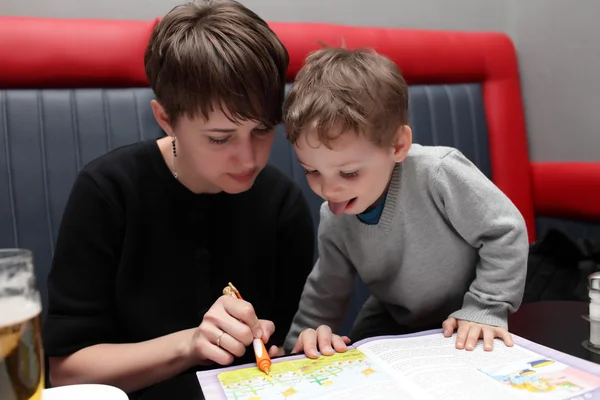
[{"x": 448, "y": 243}]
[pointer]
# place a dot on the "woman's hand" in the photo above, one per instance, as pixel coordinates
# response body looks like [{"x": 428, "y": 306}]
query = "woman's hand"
[
  {"x": 322, "y": 339},
  {"x": 227, "y": 328}
]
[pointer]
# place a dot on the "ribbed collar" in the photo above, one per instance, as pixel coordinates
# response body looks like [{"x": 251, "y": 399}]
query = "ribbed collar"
[{"x": 389, "y": 208}]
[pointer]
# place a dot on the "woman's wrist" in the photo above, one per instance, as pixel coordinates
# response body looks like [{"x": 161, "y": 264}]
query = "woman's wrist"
[{"x": 187, "y": 350}]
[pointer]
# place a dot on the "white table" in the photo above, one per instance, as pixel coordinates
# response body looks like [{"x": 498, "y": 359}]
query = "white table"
[{"x": 87, "y": 392}]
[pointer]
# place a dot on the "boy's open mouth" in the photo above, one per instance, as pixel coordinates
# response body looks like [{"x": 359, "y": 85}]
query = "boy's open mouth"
[{"x": 339, "y": 208}]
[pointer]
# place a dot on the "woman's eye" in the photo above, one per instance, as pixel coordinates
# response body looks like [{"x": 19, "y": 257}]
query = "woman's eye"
[
  {"x": 218, "y": 141},
  {"x": 349, "y": 174},
  {"x": 262, "y": 130},
  {"x": 307, "y": 172}
]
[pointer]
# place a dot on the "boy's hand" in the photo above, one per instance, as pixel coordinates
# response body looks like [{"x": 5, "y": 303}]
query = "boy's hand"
[
  {"x": 470, "y": 332},
  {"x": 327, "y": 342},
  {"x": 275, "y": 351}
]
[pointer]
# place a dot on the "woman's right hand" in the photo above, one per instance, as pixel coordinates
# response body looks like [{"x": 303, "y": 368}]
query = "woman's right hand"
[{"x": 227, "y": 328}]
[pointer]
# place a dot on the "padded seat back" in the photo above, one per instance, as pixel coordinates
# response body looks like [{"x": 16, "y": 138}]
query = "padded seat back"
[
  {"x": 50, "y": 134},
  {"x": 47, "y": 137}
]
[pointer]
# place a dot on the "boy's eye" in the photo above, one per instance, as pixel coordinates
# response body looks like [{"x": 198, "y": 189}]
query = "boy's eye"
[
  {"x": 307, "y": 172},
  {"x": 349, "y": 174}
]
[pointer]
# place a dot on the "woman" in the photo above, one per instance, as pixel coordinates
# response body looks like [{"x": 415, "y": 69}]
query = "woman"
[{"x": 153, "y": 231}]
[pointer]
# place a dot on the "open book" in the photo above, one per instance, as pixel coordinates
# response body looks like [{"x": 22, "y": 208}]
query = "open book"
[{"x": 419, "y": 366}]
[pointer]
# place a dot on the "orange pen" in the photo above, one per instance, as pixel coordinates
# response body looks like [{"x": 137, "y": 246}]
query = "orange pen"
[{"x": 263, "y": 361}]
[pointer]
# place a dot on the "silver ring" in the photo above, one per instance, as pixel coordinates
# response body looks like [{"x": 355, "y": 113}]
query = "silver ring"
[{"x": 219, "y": 339}]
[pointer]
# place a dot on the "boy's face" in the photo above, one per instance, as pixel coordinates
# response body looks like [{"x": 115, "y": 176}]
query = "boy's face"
[
  {"x": 217, "y": 154},
  {"x": 354, "y": 173}
]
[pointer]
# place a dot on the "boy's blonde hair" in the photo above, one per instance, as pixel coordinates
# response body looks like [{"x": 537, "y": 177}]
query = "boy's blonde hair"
[{"x": 339, "y": 90}]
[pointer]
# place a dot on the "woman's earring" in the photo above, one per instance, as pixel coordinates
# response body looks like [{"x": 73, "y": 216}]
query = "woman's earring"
[
  {"x": 174, "y": 147},
  {"x": 174, "y": 156}
]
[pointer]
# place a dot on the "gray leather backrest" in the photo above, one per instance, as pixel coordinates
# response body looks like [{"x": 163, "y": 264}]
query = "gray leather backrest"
[{"x": 48, "y": 135}]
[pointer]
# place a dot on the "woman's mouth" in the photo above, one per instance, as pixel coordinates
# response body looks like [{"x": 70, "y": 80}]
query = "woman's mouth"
[{"x": 244, "y": 177}]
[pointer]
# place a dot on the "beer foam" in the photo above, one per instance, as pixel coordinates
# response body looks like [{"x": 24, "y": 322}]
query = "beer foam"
[{"x": 14, "y": 310}]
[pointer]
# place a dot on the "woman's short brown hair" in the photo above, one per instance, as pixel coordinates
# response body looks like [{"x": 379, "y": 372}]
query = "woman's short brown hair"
[
  {"x": 217, "y": 54},
  {"x": 339, "y": 90}
]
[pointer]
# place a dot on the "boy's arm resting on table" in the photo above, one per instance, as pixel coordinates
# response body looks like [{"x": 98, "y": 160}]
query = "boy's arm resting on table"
[
  {"x": 489, "y": 221},
  {"x": 295, "y": 252},
  {"x": 328, "y": 288},
  {"x": 82, "y": 320}
]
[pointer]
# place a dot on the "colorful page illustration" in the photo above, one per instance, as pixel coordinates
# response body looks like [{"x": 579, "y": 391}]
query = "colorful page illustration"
[
  {"x": 349, "y": 376},
  {"x": 305, "y": 378},
  {"x": 545, "y": 378}
]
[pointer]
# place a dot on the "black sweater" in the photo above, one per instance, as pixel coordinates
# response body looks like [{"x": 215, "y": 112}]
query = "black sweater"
[{"x": 139, "y": 256}]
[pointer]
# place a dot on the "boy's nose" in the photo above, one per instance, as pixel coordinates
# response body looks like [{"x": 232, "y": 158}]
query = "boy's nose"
[{"x": 330, "y": 191}]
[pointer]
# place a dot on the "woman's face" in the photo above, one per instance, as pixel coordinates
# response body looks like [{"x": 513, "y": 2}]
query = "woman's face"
[
  {"x": 218, "y": 154},
  {"x": 226, "y": 154}
]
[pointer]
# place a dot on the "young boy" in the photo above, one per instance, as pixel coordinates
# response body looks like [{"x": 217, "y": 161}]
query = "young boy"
[{"x": 434, "y": 240}]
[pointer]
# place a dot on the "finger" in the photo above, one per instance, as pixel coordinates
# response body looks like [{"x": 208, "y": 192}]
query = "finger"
[
  {"x": 506, "y": 336},
  {"x": 461, "y": 336},
  {"x": 309, "y": 343},
  {"x": 338, "y": 344},
  {"x": 217, "y": 354},
  {"x": 235, "y": 328},
  {"x": 473, "y": 336},
  {"x": 231, "y": 345},
  {"x": 449, "y": 326},
  {"x": 324, "y": 339},
  {"x": 275, "y": 351},
  {"x": 299, "y": 346},
  {"x": 268, "y": 328},
  {"x": 346, "y": 339},
  {"x": 221, "y": 339},
  {"x": 244, "y": 312},
  {"x": 488, "y": 338},
  {"x": 206, "y": 345}
]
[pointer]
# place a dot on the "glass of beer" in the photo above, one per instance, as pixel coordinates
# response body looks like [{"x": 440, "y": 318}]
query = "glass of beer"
[{"x": 21, "y": 353}]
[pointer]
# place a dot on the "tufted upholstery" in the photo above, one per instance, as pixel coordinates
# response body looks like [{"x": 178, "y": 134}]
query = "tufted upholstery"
[
  {"x": 62, "y": 106},
  {"x": 50, "y": 134}
]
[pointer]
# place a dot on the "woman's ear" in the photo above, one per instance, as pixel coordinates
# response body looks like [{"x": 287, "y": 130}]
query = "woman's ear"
[
  {"x": 402, "y": 143},
  {"x": 162, "y": 118}
]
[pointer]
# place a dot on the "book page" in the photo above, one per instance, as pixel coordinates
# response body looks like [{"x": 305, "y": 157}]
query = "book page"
[
  {"x": 438, "y": 370},
  {"x": 350, "y": 375}
]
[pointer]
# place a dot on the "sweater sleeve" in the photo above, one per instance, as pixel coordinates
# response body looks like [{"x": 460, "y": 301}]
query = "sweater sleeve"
[
  {"x": 295, "y": 252},
  {"x": 328, "y": 288},
  {"x": 490, "y": 222},
  {"x": 81, "y": 283}
]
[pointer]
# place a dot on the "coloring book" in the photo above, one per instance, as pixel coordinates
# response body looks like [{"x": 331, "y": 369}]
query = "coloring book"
[{"x": 420, "y": 366}]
